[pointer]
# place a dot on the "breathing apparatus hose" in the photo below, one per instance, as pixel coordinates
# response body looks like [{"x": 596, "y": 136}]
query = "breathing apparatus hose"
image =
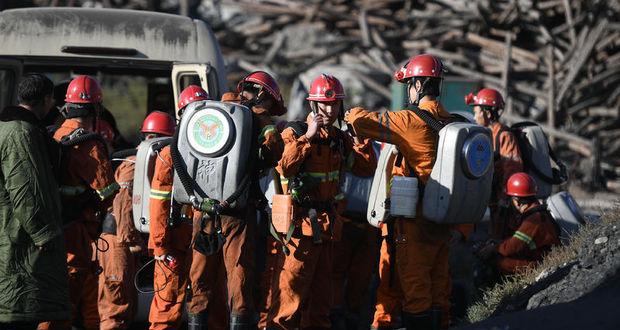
[
  {"x": 83, "y": 138},
  {"x": 125, "y": 153}
]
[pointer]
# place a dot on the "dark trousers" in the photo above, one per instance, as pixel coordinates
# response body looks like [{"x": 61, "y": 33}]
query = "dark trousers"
[{"x": 19, "y": 326}]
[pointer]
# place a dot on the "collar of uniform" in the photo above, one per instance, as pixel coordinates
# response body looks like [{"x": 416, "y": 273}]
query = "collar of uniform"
[
  {"x": 429, "y": 105},
  {"x": 72, "y": 124}
]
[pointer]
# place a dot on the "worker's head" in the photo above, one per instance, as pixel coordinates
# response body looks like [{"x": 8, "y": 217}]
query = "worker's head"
[
  {"x": 260, "y": 89},
  {"x": 522, "y": 189},
  {"x": 423, "y": 75},
  {"x": 487, "y": 105},
  {"x": 83, "y": 101},
  {"x": 326, "y": 97},
  {"x": 190, "y": 94},
  {"x": 35, "y": 92},
  {"x": 158, "y": 124}
]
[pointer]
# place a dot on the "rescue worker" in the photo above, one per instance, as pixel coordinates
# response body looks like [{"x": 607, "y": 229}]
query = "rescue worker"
[
  {"x": 118, "y": 298},
  {"x": 421, "y": 246},
  {"x": 233, "y": 267},
  {"x": 536, "y": 234},
  {"x": 170, "y": 235},
  {"x": 32, "y": 267},
  {"x": 313, "y": 162},
  {"x": 87, "y": 191},
  {"x": 487, "y": 104}
]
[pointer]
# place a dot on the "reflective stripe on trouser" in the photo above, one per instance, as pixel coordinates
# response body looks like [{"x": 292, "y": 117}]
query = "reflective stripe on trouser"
[
  {"x": 167, "y": 305},
  {"x": 234, "y": 262},
  {"x": 305, "y": 296},
  {"x": 118, "y": 297},
  {"x": 387, "y": 307},
  {"x": 354, "y": 262}
]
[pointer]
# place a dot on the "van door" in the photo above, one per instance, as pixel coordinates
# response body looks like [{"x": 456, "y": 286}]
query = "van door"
[
  {"x": 201, "y": 74},
  {"x": 10, "y": 72}
]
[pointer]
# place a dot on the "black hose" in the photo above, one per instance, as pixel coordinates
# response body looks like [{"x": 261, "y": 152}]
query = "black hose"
[
  {"x": 125, "y": 153},
  {"x": 179, "y": 165}
]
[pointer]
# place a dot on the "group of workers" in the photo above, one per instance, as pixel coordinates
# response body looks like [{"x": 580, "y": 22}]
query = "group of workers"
[{"x": 317, "y": 275}]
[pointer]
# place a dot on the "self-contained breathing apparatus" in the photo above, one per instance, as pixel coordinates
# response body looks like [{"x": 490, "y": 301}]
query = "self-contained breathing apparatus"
[{"x": 212, "y": 166}]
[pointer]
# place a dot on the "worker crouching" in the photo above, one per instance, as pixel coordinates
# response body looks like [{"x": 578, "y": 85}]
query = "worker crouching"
[{"x": 535, "y": 236}]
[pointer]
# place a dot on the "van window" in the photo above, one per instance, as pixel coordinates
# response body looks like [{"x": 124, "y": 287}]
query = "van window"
[
  {"x": 187, "y": 79},
  {"x": 7, "y": 86}
]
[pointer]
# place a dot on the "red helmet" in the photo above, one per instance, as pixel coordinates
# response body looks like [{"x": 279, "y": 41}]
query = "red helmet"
[
  {"x": 521, "y": 185},
  {"x": 326, "y": 88},
  {"x": 158, "y": 122},
  {"x": 83, "y": 89},
  {"x": 265, "y": 80},
  {"x": 192, "y": 93},
  {"x": 104, "y": 129},
  {"x": 486, "y": 97},
  {"x": 420, "y": 66}
]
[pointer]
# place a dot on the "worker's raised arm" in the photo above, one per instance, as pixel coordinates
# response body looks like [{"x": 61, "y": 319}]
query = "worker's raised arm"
[{"x": 387, "y": 126}]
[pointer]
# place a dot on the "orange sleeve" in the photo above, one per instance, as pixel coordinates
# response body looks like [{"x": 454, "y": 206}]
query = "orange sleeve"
[
  {"x": 521, "y": 241},
  {"x": 362, "y": 160},
  {"x": 96, "y": 171},
  {"x": 388, "y": 126},
  {"x": 510, "y": 156},
  {"x": 160, "y": 203},
  {"x": 296, "y": 149},
  {"x": 231, "y": 97}
]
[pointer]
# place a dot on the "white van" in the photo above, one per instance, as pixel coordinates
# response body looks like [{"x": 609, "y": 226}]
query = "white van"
[{"x": 142, "y": 59}]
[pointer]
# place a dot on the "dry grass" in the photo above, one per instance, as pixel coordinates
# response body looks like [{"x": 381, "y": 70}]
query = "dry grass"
[{"x": 558, "y": 256}]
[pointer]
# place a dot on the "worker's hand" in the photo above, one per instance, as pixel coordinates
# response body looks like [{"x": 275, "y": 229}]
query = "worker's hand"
[
  {"x": 136, "y": 249},
  {"x": 314, "y": 125}
]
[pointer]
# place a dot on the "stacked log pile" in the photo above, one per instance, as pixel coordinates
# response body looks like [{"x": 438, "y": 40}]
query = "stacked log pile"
[{"x": 557, "y": 60}]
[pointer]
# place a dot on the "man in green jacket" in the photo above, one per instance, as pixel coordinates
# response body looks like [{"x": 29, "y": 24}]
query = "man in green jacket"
[{"x": 33, "y": 271}]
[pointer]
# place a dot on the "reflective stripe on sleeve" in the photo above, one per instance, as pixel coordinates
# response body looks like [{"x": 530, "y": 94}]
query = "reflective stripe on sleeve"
[
  {"x": 526, "y": 239},
  {"x": 161, "y": 194}
]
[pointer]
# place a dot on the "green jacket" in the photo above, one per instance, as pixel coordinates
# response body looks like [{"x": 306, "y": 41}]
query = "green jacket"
[{"x": 33, "y": 281}]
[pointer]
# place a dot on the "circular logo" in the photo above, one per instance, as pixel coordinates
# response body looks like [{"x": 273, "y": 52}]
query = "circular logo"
[
  {"x": 208, "y": 131},
  {"x": 477, "y": 154}
]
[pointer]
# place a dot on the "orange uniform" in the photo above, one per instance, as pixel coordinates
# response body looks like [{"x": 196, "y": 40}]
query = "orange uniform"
[
  {"x": 117, "y": 295},
  {"x": 233, "y": 267},
  {"x": 304, "y": 296},
  {"x": 169, "y": 284},
  {"x": 508, "y": 162},
  {"x": 87, "y": 169},
  {"x": 421, "y": 260},
  {"x": 527, "y": 246}
]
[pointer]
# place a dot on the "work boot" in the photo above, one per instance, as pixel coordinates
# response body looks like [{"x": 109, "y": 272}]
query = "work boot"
[
  {"x": 242, "y": 322},
  {"x": 436, "y": 314},
  {"x": 337, "y": 318},
  {"x": 197, "y": 321},
  {"x": 417, "y": 321}
]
